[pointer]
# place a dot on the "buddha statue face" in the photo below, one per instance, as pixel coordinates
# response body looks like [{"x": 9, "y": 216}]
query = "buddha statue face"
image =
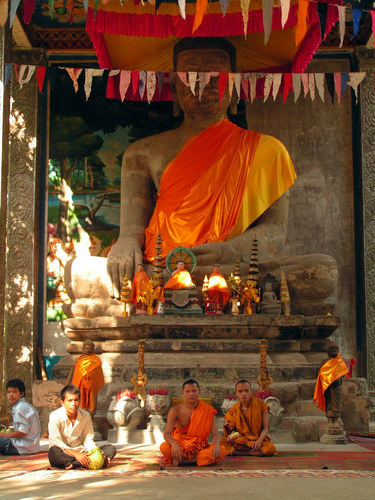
[{"x": 203, "y": 60}]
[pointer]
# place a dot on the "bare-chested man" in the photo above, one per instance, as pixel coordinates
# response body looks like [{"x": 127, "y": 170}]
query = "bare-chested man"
[{"x": 188, "y": 427}]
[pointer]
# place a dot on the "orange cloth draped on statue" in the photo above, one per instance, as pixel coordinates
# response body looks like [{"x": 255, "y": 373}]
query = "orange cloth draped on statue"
[
  {"x": 88, "y": 377},
  {"x": 213, "y": 185},
  {"x": 249, "y": 427},
  {"x": 180, "y": 279},
  {"x": 139, "y": 278},
  {"x": 332, "y": 369},
  {"x": 193, "y": 438},
  {"x": 218, "y": 288}
]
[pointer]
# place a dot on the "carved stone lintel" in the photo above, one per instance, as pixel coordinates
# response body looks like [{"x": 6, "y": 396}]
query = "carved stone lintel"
[{"x": 366, "y": 59}]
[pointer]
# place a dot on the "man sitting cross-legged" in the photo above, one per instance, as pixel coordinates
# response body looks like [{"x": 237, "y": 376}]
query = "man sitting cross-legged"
[
  {"x": 188, "y": 427},
  {"x": 246, "y": 424},
  {"x": 71, "y": 435}
]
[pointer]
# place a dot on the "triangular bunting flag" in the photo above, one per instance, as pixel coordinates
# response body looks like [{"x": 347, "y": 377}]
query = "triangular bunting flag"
[
  {"x": 356, "y": 17},
  {"x": 224, "y": 6},
  {"x": 28, "y": 10},
  {"x": 245, "y": 86},
  {"x": 344, "y": 82},
  {"x": 183, "y": 77},
  {"x": 30, "y": 72},
  {"x": 230, "y": 83},
  {"x": 312, "y": 86},
  {"x": 181, "y": 5},
  {"x": 267, "y": 86},
  {"x": 40, "y": 76},
  {"x": 151, "y": 85},
  {"x": 337, "y": 80},
  {"x": 296, "y": 77},
  {"x": 51, "y": 4},
  {"x": 301, "y": 27},
  {"x": 200, "y": 10},
  {"x": 287, "y": 85},
  {"x": 285, "y": 6},
  {"x": 253, "y": 85},
  {"x": 157, "y": 5},
  {"x": 341, "y": 10},
  {"x": 89, "y": 74},
  {"x": 322, "y": 13},
  {"x": 245, "y": 5},
  {"x": 331, "y": 86},
  {"x": 372, "y": 12},
  {"x": 319, "y": 80},
  {"x": 305, "y": 83},
  {"x": 354, "y": 80},
  {"x": 86, "y": 5},
  {"x": 202, "y": 84},
  {"x": 267, "y": 18},
  {"x": 192, "y": 80},
  {"x": 13, "y": 9},
  {"x": 223, "y": 78},
  {"x": 142, "y": 83},
  {"x": 74, "y": 75},
  {"x": 8, "y": 72},
  {"x": 276, "y": 84},
  {"x": 135, "y": 80},
  {"x": 125, "y": 78},
  {"x": 237, "y": 84}
]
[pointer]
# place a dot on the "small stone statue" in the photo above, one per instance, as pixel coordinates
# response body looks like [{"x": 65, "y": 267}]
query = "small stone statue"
[
  {"x": 328, "y": 384},
  {"x": 124, "y": 411},
  {"x": 270, "y": 303}
]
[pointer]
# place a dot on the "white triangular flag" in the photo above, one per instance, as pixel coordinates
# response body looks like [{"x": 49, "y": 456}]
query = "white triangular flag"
[
  {"x": 341, "y": 10},
  {"x": 355, "y": 80},
  {"x": 285, "y": 6},
  {"x": 319, "y": 80},
  {"x": 267, "y": 86},
  {"x": 237, "y": 84},
  {"x": 125, "y": 79},
  {"x": 181, "y": 4},
  {"x": 245, "y": 5},
  {"x": 192, "y": 80},
  {"x": 89, "y": 74},
  {"x": 267, "y": 18},
  {"x": 296, "y": 78},
  {"x": 276, "y": 84},
  {"x": 150, "y": 85},
  {"x": 312, "y": 86},
  {"x": 30, "y": 72},
  {"x": 202, "y": 84}
]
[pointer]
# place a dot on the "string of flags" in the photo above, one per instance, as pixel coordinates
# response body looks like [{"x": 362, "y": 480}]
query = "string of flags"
[
  {"x": 155, "y": 85},
  {"x": 201, "y": 6}
]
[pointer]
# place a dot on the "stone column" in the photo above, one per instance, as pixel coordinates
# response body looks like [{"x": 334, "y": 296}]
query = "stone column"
[
  {"x": 367, "y": 108},
  {"x": 19, "y": 192}
]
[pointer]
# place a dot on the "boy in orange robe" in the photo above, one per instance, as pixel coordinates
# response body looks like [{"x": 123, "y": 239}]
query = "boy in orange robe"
[
  {"x": 88, "y": 376},
  {"x": 247, "y": 425},
  {"x": 188, "y": 427},
  {"x": 331, "y": 375}
]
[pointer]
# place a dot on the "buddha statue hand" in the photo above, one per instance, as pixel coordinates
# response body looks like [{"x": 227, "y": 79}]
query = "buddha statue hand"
[{"x": 123, "y": 258}]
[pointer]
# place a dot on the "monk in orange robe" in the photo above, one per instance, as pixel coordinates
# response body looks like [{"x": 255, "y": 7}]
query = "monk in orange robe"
[
  {"x": 139, "y": 278},
  {"x": 188, "y": 427},
  {"x": 246, "y": 425},
  {"x": 88, "y": 376},
  {"x": 218, "y": 288},
  {"x": 327, "y": 392}
]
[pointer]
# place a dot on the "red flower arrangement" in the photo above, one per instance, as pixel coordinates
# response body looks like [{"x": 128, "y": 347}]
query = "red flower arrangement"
[
  {"x": 125, "y": 393},
  {"x": 160, "y": 392},
  {"x": 231, "y": 397},
  {"x": 264, "y": 394}
]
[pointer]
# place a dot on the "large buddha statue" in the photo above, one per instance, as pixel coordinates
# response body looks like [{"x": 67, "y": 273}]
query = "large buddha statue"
[{"x": 220, "y": 186}]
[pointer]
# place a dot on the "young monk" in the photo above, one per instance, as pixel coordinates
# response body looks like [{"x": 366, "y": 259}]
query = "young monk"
[
  {"x": 247, "y": 424},
  {"x": 188, "y": 427}
]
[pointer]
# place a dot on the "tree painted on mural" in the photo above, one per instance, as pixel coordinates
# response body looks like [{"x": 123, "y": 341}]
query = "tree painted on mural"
[{"x": 71, "y": 140}]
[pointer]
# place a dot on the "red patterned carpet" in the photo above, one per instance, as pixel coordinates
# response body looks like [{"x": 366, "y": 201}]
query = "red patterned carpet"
[{"x": 132, "y": 462}]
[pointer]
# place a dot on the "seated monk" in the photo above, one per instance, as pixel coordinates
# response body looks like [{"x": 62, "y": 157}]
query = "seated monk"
[
  {"x": 220, "y": 186},
  {"x": 88, "y": 376},
  {"x": 246, "y": 425},
  {"x": 218, "y": 288},
  {"x": 188, "y": 427},
  {"x": 180, "y": 278}
]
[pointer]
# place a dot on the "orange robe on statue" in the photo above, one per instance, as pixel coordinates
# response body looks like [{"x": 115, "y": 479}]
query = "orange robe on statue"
[
  {"x": 249, "y": 427},
  {"x": 88, "y": 377},
  {"x": 139, "y": 278},
  {"x": 332, "y": 369},
  {"x": 220, "y": 182},
  {"x": 218, "y": 288},
  {"x": 193, "y": 438}
]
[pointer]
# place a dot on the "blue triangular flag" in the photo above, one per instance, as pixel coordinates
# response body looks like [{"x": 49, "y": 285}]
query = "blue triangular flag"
[
  {"x": 8, "y": 71},
  {"x": 356, "y": 17},
  {"x": 344, "y": 80}
]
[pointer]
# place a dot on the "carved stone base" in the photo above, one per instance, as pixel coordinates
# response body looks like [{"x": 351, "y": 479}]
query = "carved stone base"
[{"x": 334, "y": 434}]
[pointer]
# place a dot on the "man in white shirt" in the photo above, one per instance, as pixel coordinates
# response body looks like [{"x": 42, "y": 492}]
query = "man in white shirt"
[
  {"x": 24, "y": 440},
  {"x": 71, "y": 435}
]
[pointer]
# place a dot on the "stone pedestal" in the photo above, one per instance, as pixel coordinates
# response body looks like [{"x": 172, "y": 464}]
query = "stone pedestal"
[
  {"x": 334, "y": 434},
  {"x": 122, "y": 435}
]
